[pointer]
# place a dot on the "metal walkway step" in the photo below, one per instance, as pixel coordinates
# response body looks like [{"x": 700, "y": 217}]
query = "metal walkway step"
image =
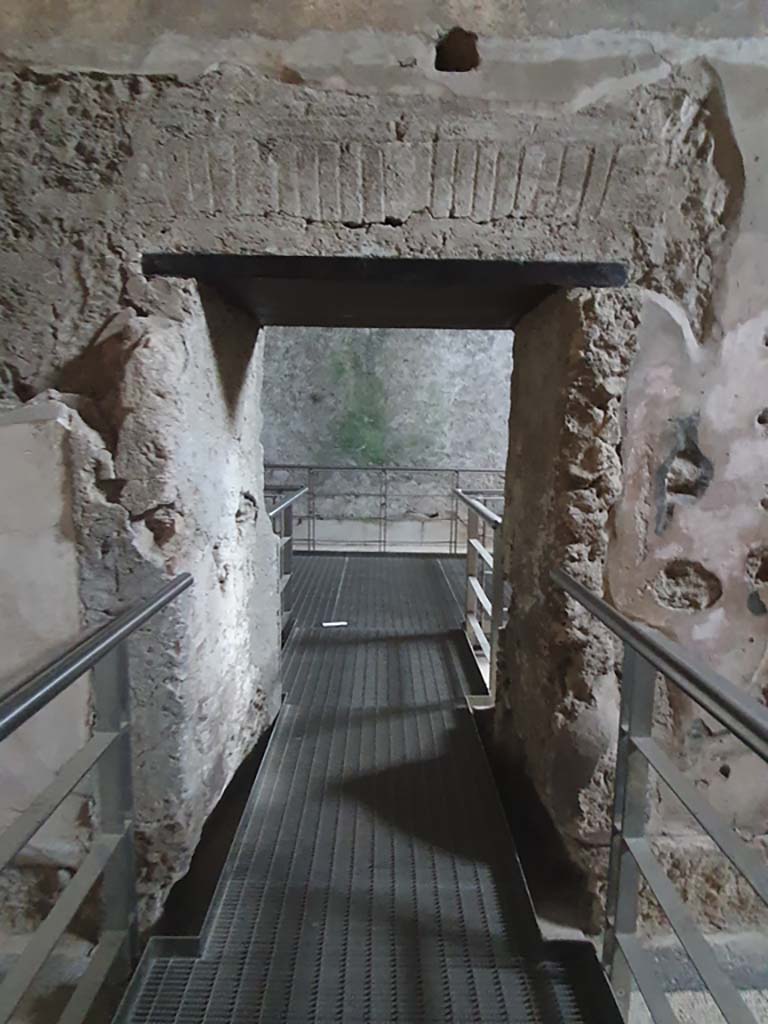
[{"x": 373, "y": 877}]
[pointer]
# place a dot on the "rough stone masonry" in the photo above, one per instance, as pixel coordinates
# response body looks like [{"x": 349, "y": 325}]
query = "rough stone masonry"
[{"x": 638, "y": 440}]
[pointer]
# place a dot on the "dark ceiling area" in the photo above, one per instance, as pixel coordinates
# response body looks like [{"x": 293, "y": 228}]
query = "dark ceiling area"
[{"x": 336, "y": 291}]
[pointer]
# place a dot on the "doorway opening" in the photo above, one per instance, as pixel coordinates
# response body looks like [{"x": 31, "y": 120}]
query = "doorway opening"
[{"x": 352, "y": 348}]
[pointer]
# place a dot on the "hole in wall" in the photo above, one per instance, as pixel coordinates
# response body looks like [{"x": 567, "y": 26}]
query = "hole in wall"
[
  {"x": 686, "y": 586},
  {"x": 725, "y": 771},
  {"x": 762, "y": 418},
  {"x": 457, "y": 51},
  {"x": 685, "y": 474},
  {"x": 757, "y": 564}
]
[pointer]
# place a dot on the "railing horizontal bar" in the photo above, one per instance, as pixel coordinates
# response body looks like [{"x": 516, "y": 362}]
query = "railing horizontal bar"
[
  {"x": 480, "y": 593},
  {"x": 288, "y": 502},
  {"x": 281, "y": 466},
  {"x": 18, "y": 834},
  {"x": 723, "y": 991},
  {"x": 743, "y": 858},
  {"x": 480, "y": 636},
  {"x": 400, "y": 495},
  {"x": 39, "y": 689},
  {"x": 738, "y": 712},
  {"x": 96, "y": 973},
  {"x": 484, "y": 553},
  {"x": 482, "y": 510},
  {"x": 641, "y": 966},
  {"x": 39, "y": 948}
]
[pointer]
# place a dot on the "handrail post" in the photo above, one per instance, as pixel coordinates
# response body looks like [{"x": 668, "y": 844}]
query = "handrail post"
[
  {"x": 384, "y": 511},
  {"x": 111, "y": 697},
  {"x": 286, "y": 567},
  {"x": 286, "y": 530},
  {"x": 453, "y": 544},
  {"x": 497, "y": 607},
  {"x": 470, "y": 603},
  {"x": 311, "y": 511},
  {"x": 628, "y": 820}
]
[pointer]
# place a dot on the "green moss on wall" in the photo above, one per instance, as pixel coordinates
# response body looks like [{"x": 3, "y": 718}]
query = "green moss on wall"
[{"x": 362, "y": 430}]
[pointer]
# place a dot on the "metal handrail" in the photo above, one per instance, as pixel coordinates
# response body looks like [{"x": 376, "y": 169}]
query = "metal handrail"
[
  {"x": 646, "y": 653},
  {"x": 482, "y": 510},
  {"x": 288, "y": 502},
  {"x": 281, "y": 518},
  {"x": 382, "y": 490},
  {"x": 731, "y": 707},
  {"x": 32, "y": 694},
  {"x": 111, "y": 855},
  {"x": 483, "y": 611},
  {"x": 383, "y": 469}
]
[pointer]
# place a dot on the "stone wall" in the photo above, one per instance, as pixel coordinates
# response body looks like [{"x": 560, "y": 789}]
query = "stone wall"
[
  {"x": 641, "y": 148},
  {"x": 354, "y": 45},
  {"x": 653, "y": 488},
  {"x": 39, "y": 612},
  {"x": 560, "y": 700},
  {"x": 160, "y": 432},
  {"x": 386, "y": 397}
]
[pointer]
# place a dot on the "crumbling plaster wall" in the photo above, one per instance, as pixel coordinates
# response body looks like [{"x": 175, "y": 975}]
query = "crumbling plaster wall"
[
  {"x": 172, "y": 481},
  {"x": 601, "y": 147},
  {"x": 349, "y": 44},
  {"x": 39, "y": 612},
  {"x": 162, "y": 424},
  {"x": 649, "y": 462}
]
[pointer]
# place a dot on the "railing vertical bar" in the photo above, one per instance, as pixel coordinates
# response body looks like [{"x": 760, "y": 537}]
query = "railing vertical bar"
[
  {"x": 470, "y": 600},
  {"x": 311, "y": 511},
  {"x": 286, "y": 569},
  {"x": 111, "y": 696},
  {"x": 629, "y": 817},
  {"x": 497, "y": 607}
]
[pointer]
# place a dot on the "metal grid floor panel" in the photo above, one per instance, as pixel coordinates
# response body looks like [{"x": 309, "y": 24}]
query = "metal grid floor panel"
[
  {"x": 401, "y": 642},
  {"x": 373, "y": 877}
]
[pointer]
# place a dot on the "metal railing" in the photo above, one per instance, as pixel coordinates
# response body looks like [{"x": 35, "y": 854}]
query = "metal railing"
[
  {"x": 484, "y": 611},
  {"x": 111, "y": 854},
  {"x": 283, "y": 525},
  {"x": 384, "y": 508},
  {"x": 647, "y": 653}
]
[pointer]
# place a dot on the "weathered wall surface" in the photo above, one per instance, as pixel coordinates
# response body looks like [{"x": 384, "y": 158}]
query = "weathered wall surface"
[
  {"x": 386, "y": 397},
  {"x": 172, "y": 482},
  {"x": 601, "y": 148},
  {"x": 689, "y": 553},
  {"x": 39, "y": 611},
  {"x": 164, "y": 475},
  {"x": 660, "y": 508},
  {"x": 353, "y": 44},
  {"x": 559, "y": 711}
]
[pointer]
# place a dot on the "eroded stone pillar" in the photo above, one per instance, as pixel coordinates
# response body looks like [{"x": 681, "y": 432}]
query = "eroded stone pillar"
[
  {"x": 159, "y": 425},
  {"x": 559, "y": 710}
]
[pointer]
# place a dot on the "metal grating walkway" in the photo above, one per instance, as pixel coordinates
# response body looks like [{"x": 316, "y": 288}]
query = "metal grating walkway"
[{"x": 373, "y": 877}]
